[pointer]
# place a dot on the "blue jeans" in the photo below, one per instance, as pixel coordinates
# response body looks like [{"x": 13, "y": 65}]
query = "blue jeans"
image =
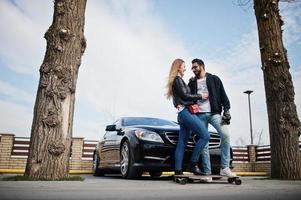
[
  {"x": 215, "y": 121},
  {"x": 188, "y": 123}
]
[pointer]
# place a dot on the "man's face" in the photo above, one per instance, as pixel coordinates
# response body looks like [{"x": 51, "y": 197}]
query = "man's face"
[{"x": 196, "y": 69}]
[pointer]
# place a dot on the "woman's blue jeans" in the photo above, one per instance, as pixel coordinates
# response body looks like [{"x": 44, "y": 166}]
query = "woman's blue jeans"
[{"x": 188, "y": 123}]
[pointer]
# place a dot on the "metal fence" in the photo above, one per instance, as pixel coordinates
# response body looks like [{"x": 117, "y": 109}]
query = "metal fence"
[
  {"x": 20, "y": 148},
  {"x": 240, "y": 153}
]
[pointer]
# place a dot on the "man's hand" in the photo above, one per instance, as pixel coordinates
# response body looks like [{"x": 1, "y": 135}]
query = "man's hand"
[
  {"x": 226, "y": 118},
  {"x": 205, "y": 95}
]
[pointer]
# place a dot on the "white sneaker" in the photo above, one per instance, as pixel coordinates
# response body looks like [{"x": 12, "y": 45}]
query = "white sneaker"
[{"x": 227, "y": 172}]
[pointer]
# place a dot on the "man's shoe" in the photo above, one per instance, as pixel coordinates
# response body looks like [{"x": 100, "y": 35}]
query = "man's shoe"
[
  {"x": 227, "y": 172},
  {"x": 194, "y": 168},
  {"x": 178, "y": 172}
]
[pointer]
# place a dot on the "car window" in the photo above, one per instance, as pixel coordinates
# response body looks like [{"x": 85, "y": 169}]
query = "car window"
[
  {"x": 110, "y": 134},
  {"x": 132, "y": 121}
]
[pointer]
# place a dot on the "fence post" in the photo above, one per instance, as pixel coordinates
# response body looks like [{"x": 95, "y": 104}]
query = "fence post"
[
  {"x": 252, "y": 152},
  {"x": 77, "y": 151},
  {"x": 252, "y": 156},
  {"x": 6, "y": 145}
]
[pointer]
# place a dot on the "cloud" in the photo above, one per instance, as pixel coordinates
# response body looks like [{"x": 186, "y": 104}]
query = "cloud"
[
  {"x": 290, "y": 13},
  {"x": 124, "y": 68},
  {"x": 14, "y": 94},
  {"x": 15, "y": 118},
  {"x": 126, "y": 64},
  {"x": 22, "y": 42}
]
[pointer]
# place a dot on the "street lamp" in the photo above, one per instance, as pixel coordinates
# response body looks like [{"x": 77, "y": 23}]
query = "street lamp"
[{"x": 249, "y": 92}]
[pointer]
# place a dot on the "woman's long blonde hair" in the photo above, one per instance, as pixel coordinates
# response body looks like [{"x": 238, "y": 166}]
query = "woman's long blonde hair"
[{"x": 175, "y": 66}]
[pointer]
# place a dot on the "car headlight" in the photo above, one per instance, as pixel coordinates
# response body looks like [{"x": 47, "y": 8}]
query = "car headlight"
[{"x": 148, "y": 136}]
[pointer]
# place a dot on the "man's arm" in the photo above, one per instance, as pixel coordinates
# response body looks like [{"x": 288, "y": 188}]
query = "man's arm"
[
  {"x": 225, "y": 103},
  {"x": 224, "y": 97}
]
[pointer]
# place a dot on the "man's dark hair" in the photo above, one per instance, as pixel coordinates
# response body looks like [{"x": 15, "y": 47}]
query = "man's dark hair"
[{"x": 199, "y": 62}]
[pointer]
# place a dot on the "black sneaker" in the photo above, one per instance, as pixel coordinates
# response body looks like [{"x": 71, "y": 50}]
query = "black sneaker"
[
  {"x": 178, "y": 172},
  {"x": 194, "y": 168}
]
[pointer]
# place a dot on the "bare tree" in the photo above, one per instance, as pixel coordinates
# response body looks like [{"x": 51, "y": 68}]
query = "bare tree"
[
  {"x": 284, "y": 123},
  {"x": 259, "y": 141},
  {"x": 258, "y": 137},
  {"x": 241, "y": 141},
  {"x": 51, "y": 130}
]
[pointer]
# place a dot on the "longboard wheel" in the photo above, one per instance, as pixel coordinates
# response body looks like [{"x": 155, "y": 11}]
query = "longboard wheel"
[
  {"x": 230, "y": 180},
  {"x": 183, "y": 181},
  {"x": 238, "y": 182}
]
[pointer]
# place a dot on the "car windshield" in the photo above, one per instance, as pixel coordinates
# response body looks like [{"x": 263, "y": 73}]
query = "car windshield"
[{"x": 133, "y": 121}]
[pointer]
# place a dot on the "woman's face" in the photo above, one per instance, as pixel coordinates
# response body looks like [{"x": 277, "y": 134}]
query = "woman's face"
[{"x": 182, "y": 69}]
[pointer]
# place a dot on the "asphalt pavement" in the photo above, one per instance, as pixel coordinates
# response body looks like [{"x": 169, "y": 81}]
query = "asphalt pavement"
[{"x": 147, "y": 188}]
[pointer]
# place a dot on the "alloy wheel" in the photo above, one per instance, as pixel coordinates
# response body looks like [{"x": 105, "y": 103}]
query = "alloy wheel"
[{"x": 124, "y": 165}]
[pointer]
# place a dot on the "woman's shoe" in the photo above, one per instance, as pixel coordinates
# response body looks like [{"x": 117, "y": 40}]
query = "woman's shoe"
[{"x": 178, "y": 172}]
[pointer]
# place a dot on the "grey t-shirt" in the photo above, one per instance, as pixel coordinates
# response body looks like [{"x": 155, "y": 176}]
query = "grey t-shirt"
[{"x": 202, "y": 89}]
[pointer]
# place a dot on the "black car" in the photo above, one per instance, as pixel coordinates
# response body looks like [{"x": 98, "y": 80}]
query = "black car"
[{"x": 133, "y": 145}]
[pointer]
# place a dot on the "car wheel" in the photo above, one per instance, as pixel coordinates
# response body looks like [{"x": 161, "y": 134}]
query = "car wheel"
[
  {"x": 155, "y": 174},
  {"x": 127, "y": 169},
  {"x": 96, "y": 170}
]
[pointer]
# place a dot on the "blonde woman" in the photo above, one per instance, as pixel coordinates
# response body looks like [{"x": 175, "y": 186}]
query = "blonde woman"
[{"x": 182, "y": 97}]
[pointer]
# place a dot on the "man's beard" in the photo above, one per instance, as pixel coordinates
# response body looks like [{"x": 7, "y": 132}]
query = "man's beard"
[{"x": 197, "y": 74}]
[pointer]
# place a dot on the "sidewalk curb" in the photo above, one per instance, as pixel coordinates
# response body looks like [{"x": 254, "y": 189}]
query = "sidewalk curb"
[
  {"x": 21, "y": 171},
  {"x": 251, "y": 173}
]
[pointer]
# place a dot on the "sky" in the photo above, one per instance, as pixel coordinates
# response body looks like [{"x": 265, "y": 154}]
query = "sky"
[{"x": 130, "y": 47}]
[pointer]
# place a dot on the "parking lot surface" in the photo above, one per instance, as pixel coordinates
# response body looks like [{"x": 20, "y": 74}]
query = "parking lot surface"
[{"x": 114, "y": 187}]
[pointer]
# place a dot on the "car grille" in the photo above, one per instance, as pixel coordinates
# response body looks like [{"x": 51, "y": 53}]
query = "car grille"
[{"x": 214, "y": 141}]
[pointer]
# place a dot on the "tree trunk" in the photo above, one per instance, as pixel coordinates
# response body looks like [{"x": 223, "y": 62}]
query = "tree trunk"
[
  {"x": 51, "y": 131},
  {"x": 284, "y": 123}
]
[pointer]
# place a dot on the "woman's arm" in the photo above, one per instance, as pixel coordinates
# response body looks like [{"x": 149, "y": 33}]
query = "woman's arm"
[{"x": 182, "y": 90}]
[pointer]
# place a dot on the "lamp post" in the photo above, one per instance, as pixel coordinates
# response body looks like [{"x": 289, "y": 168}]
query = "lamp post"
[{"x": 249, "y": 92}]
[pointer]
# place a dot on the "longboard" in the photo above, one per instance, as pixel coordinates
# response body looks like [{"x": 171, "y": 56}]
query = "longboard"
[{"x": 185, "y": 178}]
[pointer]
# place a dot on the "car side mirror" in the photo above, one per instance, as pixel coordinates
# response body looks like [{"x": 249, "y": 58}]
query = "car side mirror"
[
  {"x": 120, "y": 132},
  {"x": 111, "y": 128}
]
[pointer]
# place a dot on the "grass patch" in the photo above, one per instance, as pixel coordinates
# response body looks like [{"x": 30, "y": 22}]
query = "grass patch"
[{"x": 26, "y": 178}]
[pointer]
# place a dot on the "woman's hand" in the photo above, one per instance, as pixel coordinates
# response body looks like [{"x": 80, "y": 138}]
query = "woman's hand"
[{"x": 205, "y": 95}]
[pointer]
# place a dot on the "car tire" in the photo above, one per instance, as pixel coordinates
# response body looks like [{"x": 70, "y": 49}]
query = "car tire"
[
  {"x": 96, "y": 170},
  {"x": 127, "y": 169},
  {"x": 155, "y": 174}
]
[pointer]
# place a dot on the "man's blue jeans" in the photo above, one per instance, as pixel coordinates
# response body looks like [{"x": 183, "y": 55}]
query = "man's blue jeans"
[
  {"x": 215, "y": 121},
  {"x": 188, "y": 123}
]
